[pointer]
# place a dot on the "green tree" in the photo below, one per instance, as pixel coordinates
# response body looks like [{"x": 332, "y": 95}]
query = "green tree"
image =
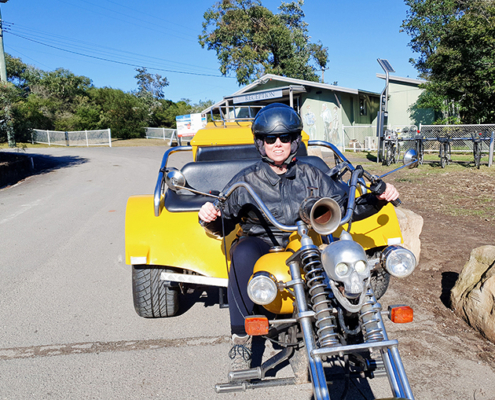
[
  {"x": 20, "y": 74},
  {"x": 151, "y": 92},
  {"x": 456, "y": 45},
  {"x": 250, "y": 40},
  {"x": 122, "y": 112},
  {"x": 150, "y": 85},
  {"x": 427, "y": 22}
]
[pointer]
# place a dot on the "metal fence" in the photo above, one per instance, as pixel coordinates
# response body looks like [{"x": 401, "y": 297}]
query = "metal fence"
[
  {"x": 462, "y": 136},
  {"x": 101, "y": 137},
  {"x": 162, "y": 133}
]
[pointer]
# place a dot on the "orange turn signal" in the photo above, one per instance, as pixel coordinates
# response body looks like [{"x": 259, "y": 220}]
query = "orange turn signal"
[
  {"x": 401, "y": 314},
  {"x": 256, "y": 325}
]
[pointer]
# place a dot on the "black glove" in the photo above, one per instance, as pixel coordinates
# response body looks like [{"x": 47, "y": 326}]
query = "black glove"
[{"x": 378, "y": 187}]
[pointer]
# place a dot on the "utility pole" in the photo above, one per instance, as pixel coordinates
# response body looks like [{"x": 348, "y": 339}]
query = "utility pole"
[
  {"x": 323, "y": 74},
  {"x": 3, "y": 78}
]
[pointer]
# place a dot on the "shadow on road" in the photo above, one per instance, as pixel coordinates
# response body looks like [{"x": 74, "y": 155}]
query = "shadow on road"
[{"x": 15, "y": 167}]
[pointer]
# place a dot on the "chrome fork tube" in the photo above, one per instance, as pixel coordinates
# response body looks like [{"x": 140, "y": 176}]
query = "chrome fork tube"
[{"x": 305, "y": 316}]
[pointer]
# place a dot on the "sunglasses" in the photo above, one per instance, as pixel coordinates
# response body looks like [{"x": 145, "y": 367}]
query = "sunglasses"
[{"x": 271, "y": 139}]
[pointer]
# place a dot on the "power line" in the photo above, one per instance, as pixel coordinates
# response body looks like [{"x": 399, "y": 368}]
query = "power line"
[
  {"x": 117, "y": 62},
  {"x": 61, "y": 40},
  {"x": 127, "y": 22}
]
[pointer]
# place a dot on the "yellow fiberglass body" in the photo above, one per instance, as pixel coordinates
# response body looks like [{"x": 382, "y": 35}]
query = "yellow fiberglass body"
[{"x": 175, "y": 239}]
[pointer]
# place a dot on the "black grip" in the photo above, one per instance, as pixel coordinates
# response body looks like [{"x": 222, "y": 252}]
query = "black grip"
[{"x": 396, "y": 202}]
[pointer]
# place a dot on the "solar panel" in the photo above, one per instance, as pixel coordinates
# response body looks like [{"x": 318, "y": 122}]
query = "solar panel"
[{"x": 385, "y": 65}]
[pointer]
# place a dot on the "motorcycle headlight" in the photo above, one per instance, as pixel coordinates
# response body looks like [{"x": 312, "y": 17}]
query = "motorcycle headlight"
[
  {"x": 262, "y": 288},
  {"x": 398, "y": 261}
]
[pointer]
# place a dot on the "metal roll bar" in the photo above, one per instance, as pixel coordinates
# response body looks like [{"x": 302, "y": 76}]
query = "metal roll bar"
[{"x": 158, "y": 194}]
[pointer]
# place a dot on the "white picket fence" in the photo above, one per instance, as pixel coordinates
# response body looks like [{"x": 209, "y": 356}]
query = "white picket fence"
[{"x": 101, "y": 137}]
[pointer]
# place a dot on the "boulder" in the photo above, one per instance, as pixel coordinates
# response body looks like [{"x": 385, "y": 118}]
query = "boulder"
[
  {"x": 473, "y": 296},
  {"x": 411, "y": 225}
]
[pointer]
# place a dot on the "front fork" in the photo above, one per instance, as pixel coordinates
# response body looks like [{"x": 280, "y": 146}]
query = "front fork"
[
  {"x": 373, "y": 327},
  {"x": 306, "y": 316}
]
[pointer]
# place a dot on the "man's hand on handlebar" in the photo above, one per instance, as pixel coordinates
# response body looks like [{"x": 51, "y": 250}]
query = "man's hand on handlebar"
[{"x": 208, "y": 213}]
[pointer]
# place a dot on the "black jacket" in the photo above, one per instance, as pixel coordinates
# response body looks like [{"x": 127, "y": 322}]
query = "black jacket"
[{"x": 283, "y": 194}]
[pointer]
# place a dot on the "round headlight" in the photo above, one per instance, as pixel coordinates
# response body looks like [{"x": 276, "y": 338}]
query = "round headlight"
[
  {"x": 399, "y": 261},
  {"x": 262, "y": 288},
  {"x": 360, "y": 267},
  {"x": 341, "y": 269}
]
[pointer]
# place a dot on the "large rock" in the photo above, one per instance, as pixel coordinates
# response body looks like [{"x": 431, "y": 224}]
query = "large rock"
[
  {"x": 473, "y": 296},
  {"x": 411, "y": 225}
]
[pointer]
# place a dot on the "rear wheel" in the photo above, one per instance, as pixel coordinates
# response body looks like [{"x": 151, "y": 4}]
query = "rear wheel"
[
  {"x": 152, "y": 298},
  {"x": 389, "y": 156},
  {"x": 421, "y": 153},
  {"x": 477, "y": 155}
]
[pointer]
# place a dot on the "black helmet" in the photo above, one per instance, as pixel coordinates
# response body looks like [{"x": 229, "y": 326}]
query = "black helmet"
[{"x": 277, "y": 119}]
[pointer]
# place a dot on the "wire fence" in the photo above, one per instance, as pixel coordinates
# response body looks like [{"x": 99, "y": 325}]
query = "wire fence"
[
  {"x": 101, "y": 137},
  {"x": 462, "y": 136},
  {"x": 162, "y": 133}
]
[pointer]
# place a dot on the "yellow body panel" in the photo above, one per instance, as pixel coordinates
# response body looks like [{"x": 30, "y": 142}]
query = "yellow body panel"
[
  {"x": 228, "y": 135},
  {"x": 377, "y": 230},
  {"x": 275, "y": 264},
  {"x": 172, "y": 239}
]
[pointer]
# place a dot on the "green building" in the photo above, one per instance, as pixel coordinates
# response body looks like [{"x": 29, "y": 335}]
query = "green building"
[{"x": 345, "y": 117}]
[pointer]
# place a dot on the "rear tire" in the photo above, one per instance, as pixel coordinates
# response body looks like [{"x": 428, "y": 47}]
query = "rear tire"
[
  {"x": 477, "y": 155},
  {"x": 389, "y": 156},
  {"x": 152, "y": 299}
]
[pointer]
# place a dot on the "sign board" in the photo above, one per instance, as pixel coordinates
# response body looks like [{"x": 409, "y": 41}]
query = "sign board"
[
  {"x": 272, "y": 94},
  {"x": 188, "y": 125}
]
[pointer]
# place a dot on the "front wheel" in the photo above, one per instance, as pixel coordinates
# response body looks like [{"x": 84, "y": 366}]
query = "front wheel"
[
  {"x": 152, "y": 298},
  {"x": 443, "y": 161},
  {"x": 380, "y": 280}
]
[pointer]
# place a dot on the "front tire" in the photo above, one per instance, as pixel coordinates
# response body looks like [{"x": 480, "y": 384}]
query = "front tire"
[
  {"x": 380, "y": 280},
  {"x": 152, "y": 298},
  {"x": 443, "y": 162}
]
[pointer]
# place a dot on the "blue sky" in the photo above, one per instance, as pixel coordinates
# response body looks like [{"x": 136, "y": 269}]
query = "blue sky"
[{"x": 163, "y": 36}]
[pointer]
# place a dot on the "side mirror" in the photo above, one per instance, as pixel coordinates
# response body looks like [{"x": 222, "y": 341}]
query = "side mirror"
[
  {"x": 411, "y": 159},
  {"x": 175, "y": 179}
]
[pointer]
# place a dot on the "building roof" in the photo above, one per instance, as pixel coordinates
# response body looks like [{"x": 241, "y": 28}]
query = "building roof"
[
  {"x": 401, "y": 80},
  {"x": 292, "y": 82}
]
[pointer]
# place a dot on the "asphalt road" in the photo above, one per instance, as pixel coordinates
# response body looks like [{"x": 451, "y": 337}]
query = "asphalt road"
[{"x": 68, "y": 329}]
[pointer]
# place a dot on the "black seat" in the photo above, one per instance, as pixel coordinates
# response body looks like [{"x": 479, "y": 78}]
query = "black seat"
[{"x": 209, "y": 176}]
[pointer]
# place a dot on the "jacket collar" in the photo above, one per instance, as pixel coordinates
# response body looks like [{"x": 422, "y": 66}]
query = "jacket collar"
[{"x": 272, "y": 177}]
